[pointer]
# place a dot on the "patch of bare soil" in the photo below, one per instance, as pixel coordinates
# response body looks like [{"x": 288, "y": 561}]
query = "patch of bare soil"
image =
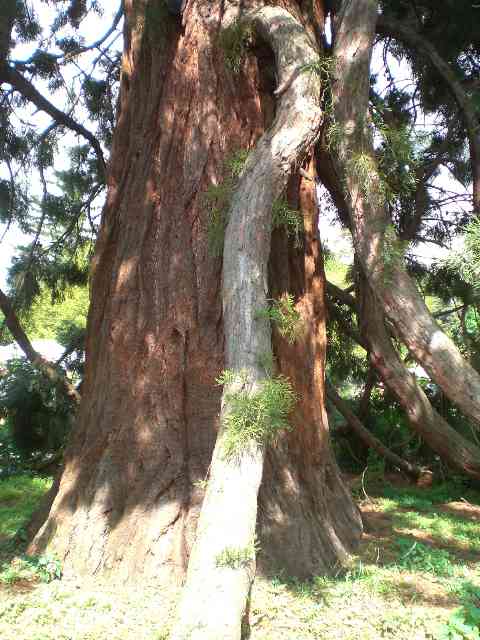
[
  {"x": 376, "y": 523},
  {"x": 414, "y": 587},
  {"x": 462, "y": 509}
]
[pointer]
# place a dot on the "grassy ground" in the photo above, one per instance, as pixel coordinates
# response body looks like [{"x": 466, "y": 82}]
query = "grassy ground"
[{"x": 416, "y": 576}]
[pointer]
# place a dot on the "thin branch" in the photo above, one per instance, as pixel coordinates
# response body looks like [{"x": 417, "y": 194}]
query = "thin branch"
[
  {"x": 410, "y": 37},
  {"x": 73, "y": 54},
  {"x": 27, "y": 89}
]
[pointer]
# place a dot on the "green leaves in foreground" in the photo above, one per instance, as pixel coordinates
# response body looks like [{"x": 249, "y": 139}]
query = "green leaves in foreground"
[
  {"x": 237, "y": 557},
  {"x": 254, "y": 417},
  {"x": 284, "y": 315},
  {"x": 463, "y": 624},
  {"x": 217, "y": 200}
]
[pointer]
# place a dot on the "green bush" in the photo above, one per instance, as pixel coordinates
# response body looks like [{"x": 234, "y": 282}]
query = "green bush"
[{"x": 37, "y": 415}]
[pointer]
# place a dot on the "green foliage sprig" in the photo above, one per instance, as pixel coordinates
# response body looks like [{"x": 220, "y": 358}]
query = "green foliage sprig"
[
  {"x": 393, "y": 251},
  {"x": 237, "y": 557},
  {"x": 234, "y": 42},
  {"x": 43, "y": 568},
  {"x": 463, "y": 624},
  {"x": 284, "y": 315},
  {"x": 283, "y": 215},
  {"x": 363, "y": 168},
  {"x": 254, "y": 417},
  {"x": 38, "y": 414},
  {"x": 218, "y": 198},
  {"x": 322, "y": 68},
  {"x": 467, "y": 263}
]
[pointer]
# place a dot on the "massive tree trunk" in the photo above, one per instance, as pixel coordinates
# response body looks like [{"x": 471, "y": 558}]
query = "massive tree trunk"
[
  {"x": 375, "y": 241},
  {"x": 222, "y": 564},
  {"x": 129, "y": 498}
]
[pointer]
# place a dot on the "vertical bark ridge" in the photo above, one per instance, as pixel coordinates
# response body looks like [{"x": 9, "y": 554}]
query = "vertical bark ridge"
[{"x": 304, "y": 457}]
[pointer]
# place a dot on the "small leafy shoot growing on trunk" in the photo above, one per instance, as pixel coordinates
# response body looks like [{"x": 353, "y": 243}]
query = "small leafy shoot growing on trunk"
[
  {"x": 335, "y": 134},
  {"x": 237, "y": 557},
  {"x": 283, "y": 215},
  {"x": 322, "y": 68},
  {"x": 393, "y": 251},
  {"x": 254, "y": 417},
  {"x": 363, "y": 168},
  {"x": 218, "y": 198},
  {"x": 235, "y": 41},
  {"x": 267, "y": 362},
  {"x": 284, "y": 315}
]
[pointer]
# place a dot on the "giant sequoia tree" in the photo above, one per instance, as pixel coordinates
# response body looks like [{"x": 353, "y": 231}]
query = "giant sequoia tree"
[{"x": 227, "y": 113}]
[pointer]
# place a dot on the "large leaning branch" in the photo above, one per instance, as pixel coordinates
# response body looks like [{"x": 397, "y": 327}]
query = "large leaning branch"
[
  {"x": 423, "y": 419},
  {"x": 21, "y": 338},
  {"x": 373, "y": 236},
  {"x": 450, "y": 445},
  {"x": 229, "y": 511}
]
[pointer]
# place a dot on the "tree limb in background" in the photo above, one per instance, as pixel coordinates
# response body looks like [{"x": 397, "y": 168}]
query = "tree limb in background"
[
  {"x": 21, "y": 338},
  {"x": 366, "y": 436},
  {"x": 451, "y": 446},
  {"x": 422, "y": 417},
  {"x": 376, "y": 244},
  {"x": 28, "y": 91}
]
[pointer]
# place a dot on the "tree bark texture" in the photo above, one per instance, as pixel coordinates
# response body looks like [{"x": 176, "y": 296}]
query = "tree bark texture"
[
  {"x": 130, "y": 495},
  {"x": 374, "y": 239},
  {"x": 301, "y": 475},
  {"x": 229, "y": 512}
]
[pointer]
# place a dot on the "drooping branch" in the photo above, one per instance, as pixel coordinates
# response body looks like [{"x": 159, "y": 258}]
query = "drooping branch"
[
  {"x": 452, "y": 447},
  {"x": 366, "y": 436},
  {"x": 422, "y": 417},
  {"x": 341, "y": 295},
  {"x": 31, "y": 93},
  {"x": 228, "y": 517},
  {"x": 387, "y": 26},
  {"x": 21, "y": 338},
  {"x": 374, "y": 238}
]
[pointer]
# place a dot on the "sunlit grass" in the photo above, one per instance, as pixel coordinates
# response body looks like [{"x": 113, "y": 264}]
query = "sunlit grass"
[
  {"x": 414, "y": 580},
  {"x": 19, "y": 497}
]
